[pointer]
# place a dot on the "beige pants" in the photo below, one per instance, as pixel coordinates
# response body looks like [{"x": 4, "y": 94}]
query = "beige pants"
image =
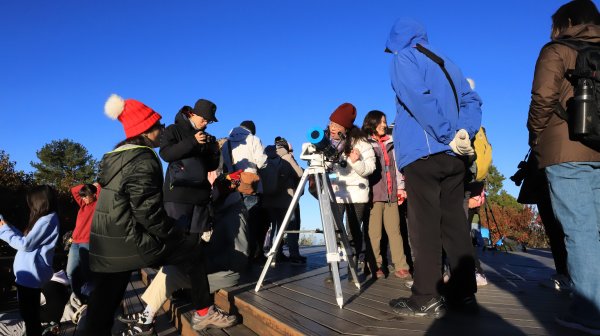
[
  {"x": 384, "y": 214},
  {"x": 170, "y": 278}
]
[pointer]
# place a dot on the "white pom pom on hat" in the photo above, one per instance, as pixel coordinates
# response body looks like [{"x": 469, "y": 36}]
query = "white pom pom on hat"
[
  {"x": 135, "y": 116},
  {"x": 114, "y": 106}
]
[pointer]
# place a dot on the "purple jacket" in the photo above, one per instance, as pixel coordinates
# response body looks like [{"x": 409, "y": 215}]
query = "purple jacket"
[{"x": 378, "y": 181}]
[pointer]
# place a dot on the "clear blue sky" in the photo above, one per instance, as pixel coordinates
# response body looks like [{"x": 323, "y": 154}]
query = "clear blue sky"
[{"x": 284, "y": 64}]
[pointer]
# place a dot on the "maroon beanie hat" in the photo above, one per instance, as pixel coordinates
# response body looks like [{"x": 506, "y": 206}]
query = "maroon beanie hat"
[
  {"x": 344, "y": 115},
  {"x": 134, "y": 115}
]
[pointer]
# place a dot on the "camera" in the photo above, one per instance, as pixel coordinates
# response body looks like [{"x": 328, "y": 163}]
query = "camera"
[
  {"x": 209, "y": 137},
  {"x": 521, "y": 173},
  {"x": 320, "y": 139}
]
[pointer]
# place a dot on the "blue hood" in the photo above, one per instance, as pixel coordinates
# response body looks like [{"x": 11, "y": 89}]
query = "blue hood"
[{"x": 405, "y": 33}]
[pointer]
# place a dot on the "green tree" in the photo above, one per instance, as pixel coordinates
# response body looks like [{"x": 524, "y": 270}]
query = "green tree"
[
  {"x": 10, "y": 178},
  {"x": 495, "y": 182},
  {"x": 64, "y": 163}
]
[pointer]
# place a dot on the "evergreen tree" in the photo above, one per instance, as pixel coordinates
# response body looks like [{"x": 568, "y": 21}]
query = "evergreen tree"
[{"x": 64, "y": 163}]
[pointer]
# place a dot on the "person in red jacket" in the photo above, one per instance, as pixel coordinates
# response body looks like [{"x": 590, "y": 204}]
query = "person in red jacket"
[{"x": 78, "y": 270}]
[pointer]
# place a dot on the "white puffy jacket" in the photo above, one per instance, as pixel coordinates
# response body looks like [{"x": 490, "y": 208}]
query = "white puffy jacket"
[{"x": 352, "y": 183}]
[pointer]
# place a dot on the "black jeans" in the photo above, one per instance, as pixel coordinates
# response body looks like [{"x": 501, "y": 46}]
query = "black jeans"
[
  {"x": 436, "y": 220},
  {"x": 29, "y": 307}
]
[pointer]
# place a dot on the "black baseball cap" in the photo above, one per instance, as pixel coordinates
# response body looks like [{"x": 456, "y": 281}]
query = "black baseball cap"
[{"x": 206, "y": 109}]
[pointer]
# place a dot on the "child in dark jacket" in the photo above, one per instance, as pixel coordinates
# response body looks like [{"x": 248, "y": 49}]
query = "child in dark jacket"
[{"x": 35, "y": 253}]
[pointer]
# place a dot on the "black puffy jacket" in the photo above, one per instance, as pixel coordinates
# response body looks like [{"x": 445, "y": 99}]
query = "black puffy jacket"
[
  {"x": 130, "y": 227},
  {"x": 178, "y": 142}
]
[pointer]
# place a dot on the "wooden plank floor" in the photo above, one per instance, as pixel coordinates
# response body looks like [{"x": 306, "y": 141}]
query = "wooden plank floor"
[{"x": 297, "y": 300}]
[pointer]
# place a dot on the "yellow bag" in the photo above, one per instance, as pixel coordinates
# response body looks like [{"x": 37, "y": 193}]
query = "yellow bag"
[{"x": 483, "y": 155}]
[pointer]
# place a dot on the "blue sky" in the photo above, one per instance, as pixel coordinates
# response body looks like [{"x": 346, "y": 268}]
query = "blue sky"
[{"x": 284, "y": 64}]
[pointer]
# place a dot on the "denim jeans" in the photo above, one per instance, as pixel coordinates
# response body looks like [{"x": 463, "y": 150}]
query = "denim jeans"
[
  {"x": 575, "y": 196},
  {"x": 78, "y": 269}
]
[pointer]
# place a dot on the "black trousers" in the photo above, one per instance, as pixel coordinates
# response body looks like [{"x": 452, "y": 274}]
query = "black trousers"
[
  {"x": 110, "y": 287},
  {"x": 436, "y": 220},
  {"x": 29, "y": 307},
  {"x": 555, "y": 234},
  {"x": 357, "y": 228},
  {"x": 104, "y": 301}
]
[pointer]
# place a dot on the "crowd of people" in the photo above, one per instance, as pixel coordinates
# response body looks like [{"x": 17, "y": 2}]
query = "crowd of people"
[{"x": 206, "y": 220}]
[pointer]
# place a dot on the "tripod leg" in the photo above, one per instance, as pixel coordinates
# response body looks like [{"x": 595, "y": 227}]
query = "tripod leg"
[
  {"x": 335, "y": 273},
  {"x": 345, "y": 248},
  {"x": 283, "y": 227}
]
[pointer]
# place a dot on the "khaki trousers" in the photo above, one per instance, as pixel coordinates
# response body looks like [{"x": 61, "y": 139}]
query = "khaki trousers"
[{"x": 385, "y": 214}]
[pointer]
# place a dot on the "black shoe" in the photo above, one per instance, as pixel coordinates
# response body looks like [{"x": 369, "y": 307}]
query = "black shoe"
[
  {"x": 297, "y": 260},
  {"x": 467, "y": 305},
  {"x": 280, "y": 257},
  {"x": 138, "y": 330},
  {"x": 434, "y": 308}
]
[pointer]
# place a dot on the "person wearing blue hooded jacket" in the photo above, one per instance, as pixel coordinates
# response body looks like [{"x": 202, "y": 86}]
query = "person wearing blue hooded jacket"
[
  {"x": 437, "y": 116},
  {"x": 35, "y": 253}
]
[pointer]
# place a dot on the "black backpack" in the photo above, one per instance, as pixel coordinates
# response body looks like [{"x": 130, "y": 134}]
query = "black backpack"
[{"x": 583, "y": 110}]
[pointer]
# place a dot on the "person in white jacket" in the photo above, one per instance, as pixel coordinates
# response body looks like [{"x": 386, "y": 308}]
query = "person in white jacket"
[
  {"x": 351, "y": 187},
  {"x": 244, "y": 150}
]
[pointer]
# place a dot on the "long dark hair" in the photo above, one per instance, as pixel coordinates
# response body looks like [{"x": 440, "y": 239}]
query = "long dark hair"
[
  {"x": 372, "y": 120},
  {"x": 353, "y": 135},
  {"x": 41, "y": 200},
  {"x": 576, "y": 12}
]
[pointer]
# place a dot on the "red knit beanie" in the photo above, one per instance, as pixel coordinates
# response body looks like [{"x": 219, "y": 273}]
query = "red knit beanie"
[
  {"x": 134, "y": 115},
  {"x": 344, "y": 115}
]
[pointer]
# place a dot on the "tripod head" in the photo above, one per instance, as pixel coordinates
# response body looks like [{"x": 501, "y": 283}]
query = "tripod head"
[{"x": 311, "y": 155}]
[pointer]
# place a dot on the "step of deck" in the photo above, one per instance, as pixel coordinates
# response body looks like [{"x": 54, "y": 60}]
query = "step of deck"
[{"x": 181, "y": 312}]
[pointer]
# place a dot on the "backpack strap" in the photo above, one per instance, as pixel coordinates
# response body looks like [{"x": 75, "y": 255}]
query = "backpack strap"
[
  {"x": 231, "y": 161},
  {"x": 440, "y": 61},
  {"x": 570, "y": 74}
]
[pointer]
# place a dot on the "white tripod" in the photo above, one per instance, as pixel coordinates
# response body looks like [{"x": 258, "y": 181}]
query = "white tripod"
[{"x": 336, "y": 240}]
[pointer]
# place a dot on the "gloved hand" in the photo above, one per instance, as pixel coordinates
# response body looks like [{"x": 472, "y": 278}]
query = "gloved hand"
[{"x": 461, "y": 144}]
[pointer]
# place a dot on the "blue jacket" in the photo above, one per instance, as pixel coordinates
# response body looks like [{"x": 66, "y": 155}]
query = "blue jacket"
[
  {"x": 432, "y": 120},
  {"x": 35, "y": 252}
]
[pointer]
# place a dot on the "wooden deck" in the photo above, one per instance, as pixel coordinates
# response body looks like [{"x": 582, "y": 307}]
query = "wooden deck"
[
  {"x": 303, "y": 304},
  {"x": 295, "y": 300}
]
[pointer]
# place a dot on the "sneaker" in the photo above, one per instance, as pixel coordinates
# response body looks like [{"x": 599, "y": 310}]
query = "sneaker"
[
  {"x": 379, "y": 274},
  {"x": 216, "y": 318},
  {"x": 434, "y": 308},
  {"x": 481, "y": 279},
  {"x": 297, "y": 260},
  {"x": 402, "y": 274},
  {"x": 557, "y": 282},
  {"x": 568, "y": 321},
  {"x": 76, "y": 317},
  {"x": 138, "y": 330},
  {"x": 132, "y": 318}
]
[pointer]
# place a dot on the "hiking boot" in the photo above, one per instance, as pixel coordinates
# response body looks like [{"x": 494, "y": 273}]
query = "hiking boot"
[
  {"x": 402, "y": 274},
  {"x": 559, "y": 282},
  {"x": 138, "y": 330},
  {"x": 434, "y": 308},
  {"x": 297, "y": 260},
  {"x": 216, "y": 318},
  {"x": 481, "y": 279},
  {"x": 569, "y": 321}
]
